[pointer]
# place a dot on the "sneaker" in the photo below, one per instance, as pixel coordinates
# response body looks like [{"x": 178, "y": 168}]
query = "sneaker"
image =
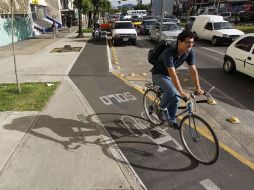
[
  {"x": 163, "y": 115},
  {"x": 174, "y": 125}
]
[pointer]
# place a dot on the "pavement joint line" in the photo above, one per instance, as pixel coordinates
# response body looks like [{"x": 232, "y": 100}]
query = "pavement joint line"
[
  {"x": 241, "y": 158},
  {"x": 32, "y": 123}
]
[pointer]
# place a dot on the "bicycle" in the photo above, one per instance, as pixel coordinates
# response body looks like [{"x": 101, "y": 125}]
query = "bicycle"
[{"x": 196, "y": 134}]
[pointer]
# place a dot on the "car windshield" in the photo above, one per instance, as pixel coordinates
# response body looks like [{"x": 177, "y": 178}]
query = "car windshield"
[
  {"x": 223, "y": 25},
  {"x": 170, "y": 27},
  {"x": 124, "y": 25},
  {"x": 150, "y": 22}
]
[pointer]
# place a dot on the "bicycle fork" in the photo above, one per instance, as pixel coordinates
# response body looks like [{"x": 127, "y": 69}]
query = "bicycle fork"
[{"x": 192, "y": 129}]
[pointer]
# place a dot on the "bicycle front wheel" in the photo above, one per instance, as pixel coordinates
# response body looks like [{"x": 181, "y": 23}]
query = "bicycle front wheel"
[
  {"x": 199, "y": 139},
  {"x": 151, "y": 101}
]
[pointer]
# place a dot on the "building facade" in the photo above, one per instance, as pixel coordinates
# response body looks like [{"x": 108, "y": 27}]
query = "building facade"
[
  {"x": 22, "y": 22},
  {"x": 31, "y": 17},
  {"x": 194, "y": 6},
  {"x": 168, "y": 7}
]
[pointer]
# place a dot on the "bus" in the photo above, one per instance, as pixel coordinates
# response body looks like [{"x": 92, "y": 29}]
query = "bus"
[{"x": 139, "y": 13}]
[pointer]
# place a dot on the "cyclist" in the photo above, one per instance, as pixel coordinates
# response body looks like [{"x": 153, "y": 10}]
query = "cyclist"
[
  {"x": 96, "y": 26},
  {"x": 164, "y": 75}
]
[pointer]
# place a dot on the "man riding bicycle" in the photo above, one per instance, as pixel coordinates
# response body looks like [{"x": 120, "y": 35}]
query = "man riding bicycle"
[{"x": 164, "y": 75}]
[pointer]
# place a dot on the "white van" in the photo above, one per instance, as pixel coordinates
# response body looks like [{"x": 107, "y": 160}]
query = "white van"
[{"x": 215, "y": 29}]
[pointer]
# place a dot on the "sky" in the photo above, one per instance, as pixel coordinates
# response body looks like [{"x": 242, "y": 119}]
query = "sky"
[{"x": 115, "y": 2}]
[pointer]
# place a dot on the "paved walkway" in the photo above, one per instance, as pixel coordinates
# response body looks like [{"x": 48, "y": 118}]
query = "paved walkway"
[{"x": 57, "y": 148}]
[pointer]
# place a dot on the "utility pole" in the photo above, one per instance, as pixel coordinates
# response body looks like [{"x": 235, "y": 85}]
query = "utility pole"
[
  {"x": 162, "y": 16},
  {"x": 13, "y": 47}
]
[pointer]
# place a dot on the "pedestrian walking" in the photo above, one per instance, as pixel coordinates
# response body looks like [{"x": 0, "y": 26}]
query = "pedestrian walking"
[
  {"x": 54, "y": 29},
  {"x": 68, "y": 23}
]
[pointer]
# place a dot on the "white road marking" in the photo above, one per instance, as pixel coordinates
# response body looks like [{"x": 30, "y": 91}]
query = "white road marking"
[
  {"x": 109, "y": 58},
  {"x": 209, "y": 185},
  {"x": 212, "y": 50},
  {"x": 106, "y": 137},
  {"x": 209, "y": 55},
  {"x": 132, "y": 123},
  {"x": 124, "y": 97}
]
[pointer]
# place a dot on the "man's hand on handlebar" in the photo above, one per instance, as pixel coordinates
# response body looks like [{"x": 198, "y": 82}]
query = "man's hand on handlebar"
[
  {"x": 185, "y": 95},
  {"x": 199, "y": 91}
]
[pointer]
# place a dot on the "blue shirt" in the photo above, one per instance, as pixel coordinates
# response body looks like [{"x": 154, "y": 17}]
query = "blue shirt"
[{"x": 169, "y": 58}]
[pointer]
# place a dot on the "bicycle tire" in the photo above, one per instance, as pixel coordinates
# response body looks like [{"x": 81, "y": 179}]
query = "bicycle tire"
[
  {"x": 151, "y": 100},
  {"x": 199, "y": 139}
]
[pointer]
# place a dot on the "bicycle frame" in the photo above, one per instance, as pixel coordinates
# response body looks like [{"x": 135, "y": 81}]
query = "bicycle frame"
[{"x": 189, "y": 103}]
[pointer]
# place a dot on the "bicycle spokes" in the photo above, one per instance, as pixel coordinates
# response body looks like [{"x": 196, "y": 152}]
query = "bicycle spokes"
[
  {"x": 199, "y": 139},
  {"x": 193, "y": 131}
]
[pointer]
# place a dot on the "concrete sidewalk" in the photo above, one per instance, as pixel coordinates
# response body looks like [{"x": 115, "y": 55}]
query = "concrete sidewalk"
[{"x": 62, "y": 147}]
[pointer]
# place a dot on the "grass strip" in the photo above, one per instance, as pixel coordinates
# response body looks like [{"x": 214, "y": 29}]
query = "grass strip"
[
  {"x": 33, "y": 96},
  {"x": 246, "y": 28}
]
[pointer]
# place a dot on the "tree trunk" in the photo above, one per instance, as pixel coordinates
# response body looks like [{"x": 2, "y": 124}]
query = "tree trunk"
[{"x": 80, "y": 32}]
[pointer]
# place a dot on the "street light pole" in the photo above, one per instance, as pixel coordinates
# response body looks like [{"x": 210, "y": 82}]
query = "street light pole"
[
  {"x": 162, "y": 16},
  {"x": 13, "y": 47}
]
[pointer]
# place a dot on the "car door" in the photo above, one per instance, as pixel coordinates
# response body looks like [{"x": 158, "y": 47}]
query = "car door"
[
  {"x": 244, "y": 57},
  {"x": 250, "y": 59},
  {"x": 208, "y": 31}
]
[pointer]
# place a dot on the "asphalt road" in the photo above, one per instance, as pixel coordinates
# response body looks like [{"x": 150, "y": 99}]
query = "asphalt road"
[{"x": 156, "y": 154}]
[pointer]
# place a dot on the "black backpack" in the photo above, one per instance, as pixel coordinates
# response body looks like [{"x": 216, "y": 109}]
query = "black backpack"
[{"x": 154, "y": 53}]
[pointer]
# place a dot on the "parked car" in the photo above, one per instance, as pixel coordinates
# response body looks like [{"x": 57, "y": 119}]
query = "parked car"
[
  {"x": 146, "y": 25},
  {"x": 170, "y": 31},
  {"x": 190, "y": 22},
  {"x": 215, "y": 29},
  {"x": 246, "y": 16},
  {"x": 164, "y": 19},
  {"x": 239, "y": 55},
  {"x": 123, "y": 31},
  {"x": 231, "y": 16},
  {"x": 173, "y": 18}
]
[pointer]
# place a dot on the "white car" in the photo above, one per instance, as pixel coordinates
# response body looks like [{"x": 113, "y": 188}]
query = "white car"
[
  {"x": 170, "y": 31},
  {"x": 123, "y": 31},
  {"x": 239, "y": 56},
  {"x": 215, "y": 29}
]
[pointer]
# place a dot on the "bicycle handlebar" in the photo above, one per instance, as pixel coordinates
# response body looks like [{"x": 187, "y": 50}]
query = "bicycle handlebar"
[{"x": 193, "y": 96}]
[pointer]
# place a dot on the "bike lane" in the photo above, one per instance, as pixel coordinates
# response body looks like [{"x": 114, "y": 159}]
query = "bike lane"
[{"x": 156, "y": 154}]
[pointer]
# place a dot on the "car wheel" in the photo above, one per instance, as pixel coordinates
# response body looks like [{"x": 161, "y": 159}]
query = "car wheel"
[
  {"x": 134, "y": 42},
  {"x": 215, "y": 40},
  {"x": 229, "y": 66}
]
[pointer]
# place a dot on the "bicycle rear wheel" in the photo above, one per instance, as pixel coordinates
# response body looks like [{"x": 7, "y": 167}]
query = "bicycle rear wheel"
[
  {"x": 151, "y": 101},
  {"x": 199, "y": 139}
]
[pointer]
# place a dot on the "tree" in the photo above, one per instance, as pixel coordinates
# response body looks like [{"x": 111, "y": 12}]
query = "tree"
[
  {"x": 142, "y": 7},
  {"x": 78, "y": 4},
  {"x": 88, "y": 8}
]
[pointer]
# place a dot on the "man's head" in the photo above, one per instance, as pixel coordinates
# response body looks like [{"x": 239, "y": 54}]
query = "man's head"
[{"x": 185, "y": 41}]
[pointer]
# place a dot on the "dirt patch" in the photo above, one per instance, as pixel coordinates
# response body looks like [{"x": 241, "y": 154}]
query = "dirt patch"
[{"x": 66, "y": 48}]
